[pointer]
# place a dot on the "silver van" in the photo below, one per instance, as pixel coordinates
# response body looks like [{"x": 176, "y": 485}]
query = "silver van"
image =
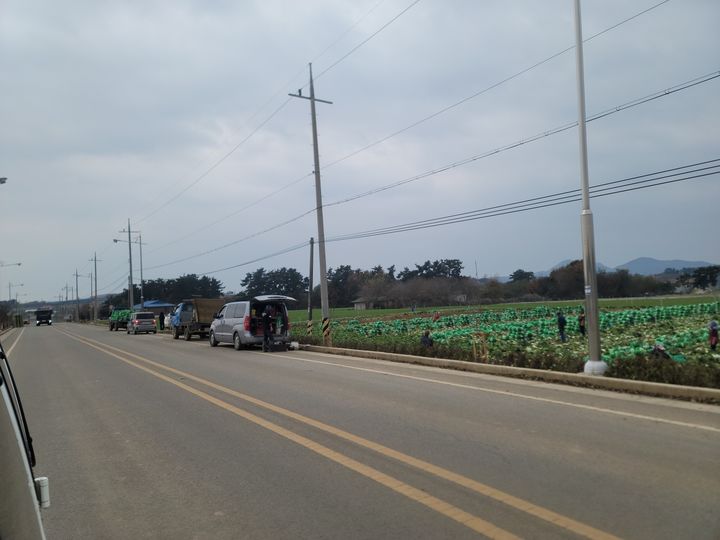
[{"x": 241, "y": 323}]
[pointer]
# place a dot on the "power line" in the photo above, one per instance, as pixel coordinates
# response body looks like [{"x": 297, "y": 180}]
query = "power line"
[
  {"x": 346, "y": 32},
  {"x": 565, "y": 127},
  {"x": 354, "y": 153},
  {"x": 351, "y": 51},
  {"x": 668, "y": 176},
  {"x": 281, "y": 252},
  {"x": 488, "y": 88},
  {"x": 545, "y": 201},
  {"x": 533, "y": 138},
  {"x": 235, "y": 242},
  {"x": 216, "y": 164},
  {"x": 286, "y": 186}
]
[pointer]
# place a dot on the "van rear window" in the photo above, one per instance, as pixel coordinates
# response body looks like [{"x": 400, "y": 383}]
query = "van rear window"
[{"x": 144, "y": 315}]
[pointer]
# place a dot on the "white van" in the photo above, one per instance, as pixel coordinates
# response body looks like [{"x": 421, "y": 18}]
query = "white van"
[{"x": 241, "y": 323}]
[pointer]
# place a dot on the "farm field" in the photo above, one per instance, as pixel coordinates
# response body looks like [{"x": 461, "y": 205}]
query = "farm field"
[
  {"x": 298, "y": 316},
  {"x": 660, "y": 339}
]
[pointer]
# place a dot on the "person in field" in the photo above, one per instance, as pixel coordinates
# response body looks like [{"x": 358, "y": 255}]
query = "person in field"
[
  {"x": 425, "y": 340},
  {"x": 562, "y": 323}
]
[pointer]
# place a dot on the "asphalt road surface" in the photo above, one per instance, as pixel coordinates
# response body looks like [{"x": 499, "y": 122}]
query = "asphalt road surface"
[{"x": 149, "y": 437}]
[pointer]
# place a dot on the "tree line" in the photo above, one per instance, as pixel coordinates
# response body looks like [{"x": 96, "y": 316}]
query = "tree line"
[{"x": 431, "y": 283}]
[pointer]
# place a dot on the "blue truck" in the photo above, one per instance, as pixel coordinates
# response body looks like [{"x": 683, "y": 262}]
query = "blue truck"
[{"x": 194, "y": 317}]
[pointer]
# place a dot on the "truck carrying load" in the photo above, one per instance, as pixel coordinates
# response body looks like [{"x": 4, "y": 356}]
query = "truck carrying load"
[
  {"x": 194, "y": 317},
  {"x": 119, "y": 319}
]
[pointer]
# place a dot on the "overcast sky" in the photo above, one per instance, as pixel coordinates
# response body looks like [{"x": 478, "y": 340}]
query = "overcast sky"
[{"x": 176, "y": 116}]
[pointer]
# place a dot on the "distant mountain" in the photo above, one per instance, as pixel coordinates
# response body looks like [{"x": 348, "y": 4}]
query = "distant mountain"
[{"x": 647, "y": 266}]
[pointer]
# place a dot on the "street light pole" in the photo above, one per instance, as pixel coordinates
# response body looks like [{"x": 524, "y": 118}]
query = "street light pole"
[
  {"x": 140, "y": 242},
  {"x": 10, "y": 286},
  {"x": 95, "y": 297},
  {"x": 594, "y": 365},
  {"x": 130, "y": 279},
  {"x": 4, "y": 265}
]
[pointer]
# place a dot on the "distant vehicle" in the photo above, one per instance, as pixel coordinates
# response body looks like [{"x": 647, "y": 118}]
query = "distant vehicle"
[
  {"x": 43, "y": 316},
  {"x": 142, "y": 321},
  {"x": 194, "y": 317},
  {"x": 241, "y": 323},
  {"x": 118, "y": 319}
]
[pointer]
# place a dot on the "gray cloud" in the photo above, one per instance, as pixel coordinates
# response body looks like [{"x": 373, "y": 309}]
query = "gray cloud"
[{"x": 112, "y": 109}]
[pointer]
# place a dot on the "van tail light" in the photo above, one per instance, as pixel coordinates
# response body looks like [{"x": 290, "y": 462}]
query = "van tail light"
[
  {"x": 246, "y": 323},
  {"x": 288, "y": 325},
  {"x": 135, "y": 321}
]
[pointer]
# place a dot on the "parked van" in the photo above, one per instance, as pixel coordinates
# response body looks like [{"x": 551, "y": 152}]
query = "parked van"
[{"x": 241, "y": 323}]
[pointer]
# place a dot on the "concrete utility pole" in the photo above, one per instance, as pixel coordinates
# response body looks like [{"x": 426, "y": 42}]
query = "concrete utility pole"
[
  {"x": 95, "y": 296},
  {"x": 67, "y": 290},
  {"x": 595, "y": 365},
  {"x": 131, "y": 300},
  {"x": 77, "y": 297},
  {"x": 142, "y": 292},
  {"x": 310, "y": 289},
  {"x": 318, "y": 201}
]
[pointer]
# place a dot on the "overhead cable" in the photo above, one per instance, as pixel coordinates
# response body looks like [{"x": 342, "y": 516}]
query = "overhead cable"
[
  {"x": 438, "y": 113},
  {"x": 565, "y": 127},
  {"x": 668, "y": 176},
  {"x": 533, "y": 138},
  {"x": 488, "y": 88}
]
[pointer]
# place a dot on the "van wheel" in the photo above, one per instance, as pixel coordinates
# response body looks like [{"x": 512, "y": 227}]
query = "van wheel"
[
  {"x": 236, "y": 341},
  {"x": 188, "y": 335},
  {"x": 213, "y": 341}
]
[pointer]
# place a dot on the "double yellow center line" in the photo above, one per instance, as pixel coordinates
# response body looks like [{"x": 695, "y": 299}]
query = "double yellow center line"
[{"x": 469, "y": 520}]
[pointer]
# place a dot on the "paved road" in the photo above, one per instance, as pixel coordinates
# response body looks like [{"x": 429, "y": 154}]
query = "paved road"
[{"x": 149, "y": 437}]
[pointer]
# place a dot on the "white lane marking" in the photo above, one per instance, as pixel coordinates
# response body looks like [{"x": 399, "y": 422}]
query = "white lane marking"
[
  {"x": 15, "y": 342},
  {"x": 509, "y": 394}
]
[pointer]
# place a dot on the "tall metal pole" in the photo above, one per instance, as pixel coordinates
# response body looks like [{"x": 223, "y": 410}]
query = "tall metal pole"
[
  {"x": 95, "y": 309},
  {"x": 130, "y": 279},
  {"x": 327, "y": 339},
  {"x": 594, "y": 365},
  {"x": 142, "y": 293},
  {"x": 310, "y": 290},
  {"x": 77, "y": 298}
]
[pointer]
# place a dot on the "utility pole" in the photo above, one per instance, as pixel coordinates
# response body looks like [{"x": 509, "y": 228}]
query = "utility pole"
[
  {"x": 327, "y": 339},
  {"x": 77, "y": 298},
  {"x": 4, "y": 265},
  {"x": 595, "y": 365},
  {"x": 142, "y": 293},
  {"x": 130, "y": 280},
  {"x": 310, "y": 289},
  {"x": 95, "y": 296}
]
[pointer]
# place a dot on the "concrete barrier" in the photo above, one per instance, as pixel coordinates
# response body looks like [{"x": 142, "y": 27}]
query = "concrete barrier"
[{"x": 692, "y": 393}]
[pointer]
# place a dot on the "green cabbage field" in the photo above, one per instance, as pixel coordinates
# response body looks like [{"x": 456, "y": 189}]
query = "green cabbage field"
[{"x": 672, "y": 337}]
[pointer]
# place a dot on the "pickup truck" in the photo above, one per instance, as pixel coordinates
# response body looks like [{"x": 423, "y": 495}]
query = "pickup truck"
[
  {"x": 194, "y": 317},
  {"x": 119, "y": 319}
]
